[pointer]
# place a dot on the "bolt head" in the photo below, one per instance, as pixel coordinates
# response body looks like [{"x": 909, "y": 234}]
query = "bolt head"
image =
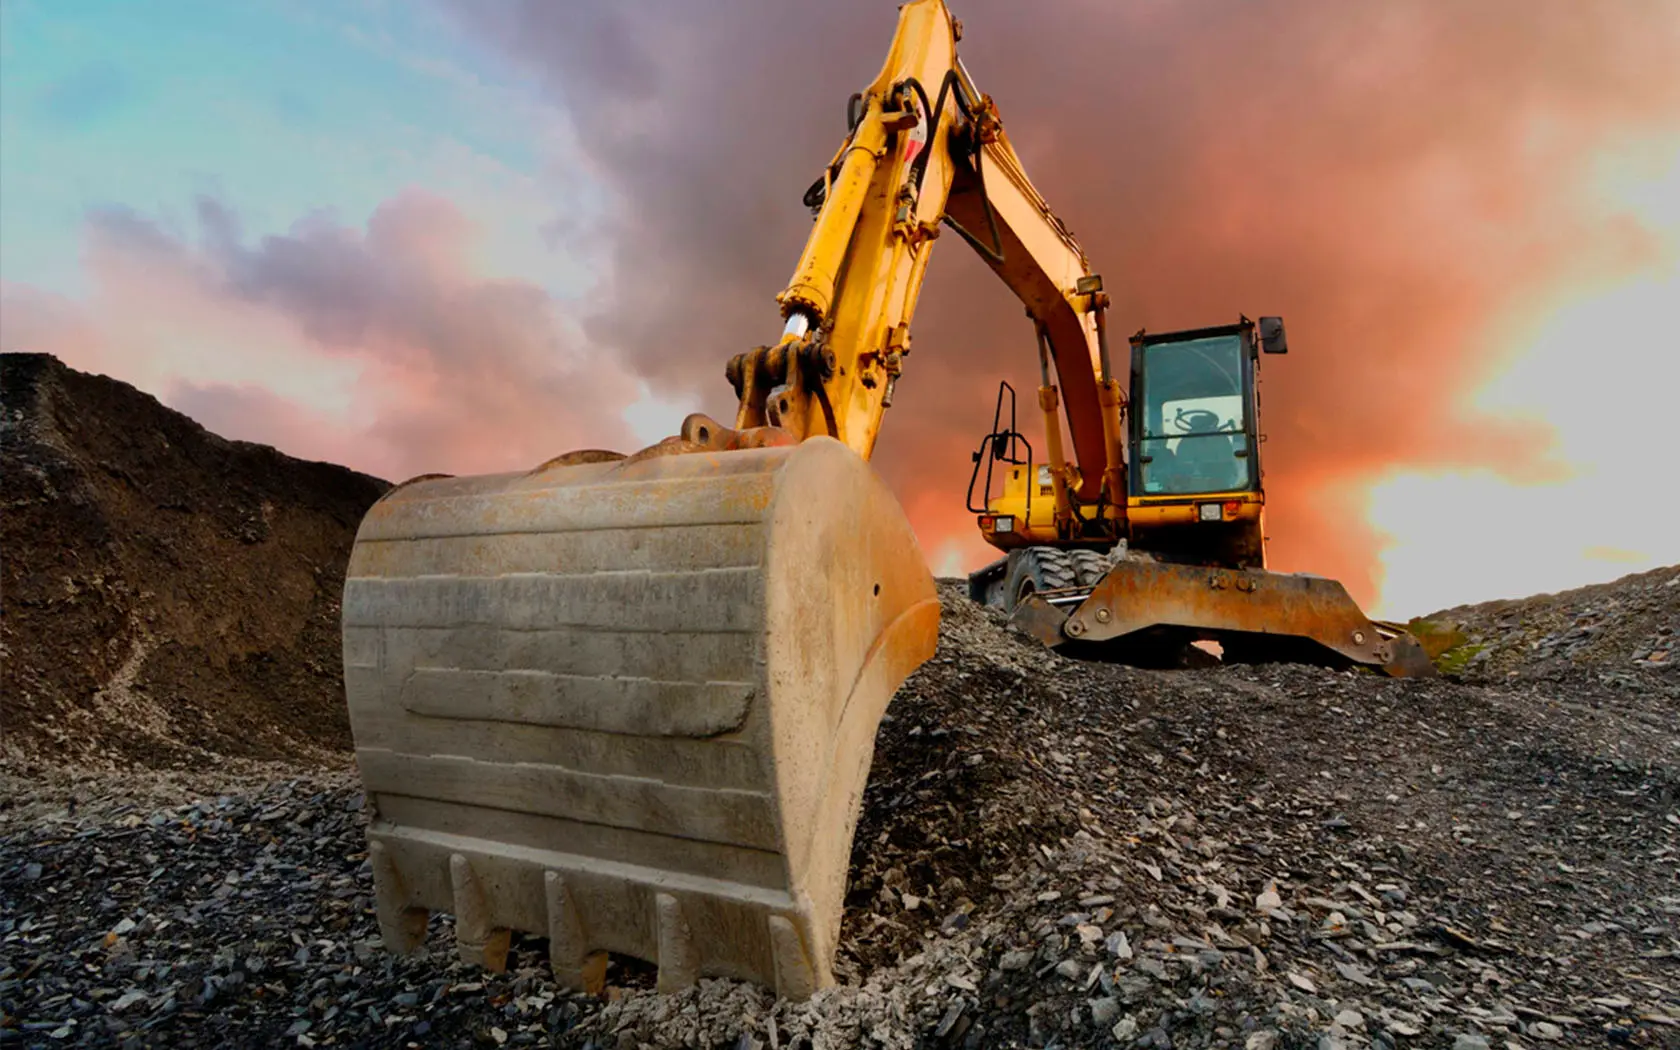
[{"x": 1103, "y": 616}]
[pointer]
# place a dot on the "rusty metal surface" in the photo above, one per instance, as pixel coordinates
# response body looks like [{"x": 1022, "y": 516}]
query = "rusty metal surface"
[
  {"x": 579, "y": 458},
  {"x": 1254, "y": 613},
  {"x": 1407, "y": 658},
  {"x": 1037, "y": 618}
]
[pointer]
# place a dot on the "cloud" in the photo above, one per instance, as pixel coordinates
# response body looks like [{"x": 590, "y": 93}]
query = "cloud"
[
  {"x": 1598, "y": 366},
  {"x": 1393, "y": 179},
  {"x": 378, "y": 347}
]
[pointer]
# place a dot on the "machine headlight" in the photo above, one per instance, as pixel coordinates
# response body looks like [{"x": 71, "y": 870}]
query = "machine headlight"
[
  {"x": 1209, "y": 511},
  {"x": 1004, "y": 524}
]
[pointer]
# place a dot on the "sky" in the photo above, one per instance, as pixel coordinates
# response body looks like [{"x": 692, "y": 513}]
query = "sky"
[{"x": 467, "y": 236}]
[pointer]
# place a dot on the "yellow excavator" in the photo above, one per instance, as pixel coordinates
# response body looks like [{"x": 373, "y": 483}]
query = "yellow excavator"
[
  {"x": 629, "y": 702},
  {"x": 1141, "y": 557}
]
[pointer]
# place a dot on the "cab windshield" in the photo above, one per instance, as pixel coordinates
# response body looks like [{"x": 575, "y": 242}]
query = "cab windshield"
[{"x": 1193, "y": 418}]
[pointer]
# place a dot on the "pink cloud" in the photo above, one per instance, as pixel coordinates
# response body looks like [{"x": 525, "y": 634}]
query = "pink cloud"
[{"x": 377, "y": 347}]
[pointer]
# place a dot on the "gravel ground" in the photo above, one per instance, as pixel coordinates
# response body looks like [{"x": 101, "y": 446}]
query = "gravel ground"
[{"x": 1051, "y": 854}]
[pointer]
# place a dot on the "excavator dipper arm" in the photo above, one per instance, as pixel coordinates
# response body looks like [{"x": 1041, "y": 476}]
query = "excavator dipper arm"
[
  {"x": 926, "y": 149},
  {"x": 1045, "y": 267}
]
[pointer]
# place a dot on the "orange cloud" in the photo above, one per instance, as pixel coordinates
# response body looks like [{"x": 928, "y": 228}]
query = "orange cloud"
[{"x": 1393, "y": 179}]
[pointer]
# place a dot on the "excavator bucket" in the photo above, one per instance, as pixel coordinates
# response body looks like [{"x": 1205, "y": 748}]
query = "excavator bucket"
[
  {"x": 630, "y": 704},
  {"x": 1253, "y": 614}
]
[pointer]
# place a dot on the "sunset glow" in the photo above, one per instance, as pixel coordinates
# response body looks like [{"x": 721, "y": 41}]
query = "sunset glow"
[
  {"x": 461, "y": 237},
  {"x": 1598, "y": 363}
]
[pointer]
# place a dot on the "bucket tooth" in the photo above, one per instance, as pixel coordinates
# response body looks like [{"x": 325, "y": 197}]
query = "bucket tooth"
[
  {"x": 794, "y": 977},
  {"x": 479, "y": 943},
  {"x": 679, "y": 963},
  {"x": 575, "y": 966},
  {"x": 402, "y": 926}
]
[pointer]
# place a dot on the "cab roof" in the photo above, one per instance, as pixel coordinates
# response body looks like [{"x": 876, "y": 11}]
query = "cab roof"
[{"x": 1185, "y": 335}]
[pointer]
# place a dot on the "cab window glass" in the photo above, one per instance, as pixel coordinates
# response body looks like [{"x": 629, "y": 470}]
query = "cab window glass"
[{"x": 1193, "y": 417}]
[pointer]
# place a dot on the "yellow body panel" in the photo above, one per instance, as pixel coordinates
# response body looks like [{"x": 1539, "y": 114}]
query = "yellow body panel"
[
  {"x": 1032, "y": 521},
  {"x": 1147, "y": 512},
  {"x": 1029, "y": 504}
]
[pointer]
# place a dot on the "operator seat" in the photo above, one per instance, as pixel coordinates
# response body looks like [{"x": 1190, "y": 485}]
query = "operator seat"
[
  {"x": 1208, "y": 461},
  {"x": 1163, "y": 470}
]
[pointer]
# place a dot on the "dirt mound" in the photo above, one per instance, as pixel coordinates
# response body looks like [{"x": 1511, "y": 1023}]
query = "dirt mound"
[{"x": 167, "y": 593}]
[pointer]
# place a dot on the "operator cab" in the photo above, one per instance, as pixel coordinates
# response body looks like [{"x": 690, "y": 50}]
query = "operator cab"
[
  {"x": 1193, "y": 480},
  {"x": 1194, "y": 483},
  {"x": 1191, "y": 423}
]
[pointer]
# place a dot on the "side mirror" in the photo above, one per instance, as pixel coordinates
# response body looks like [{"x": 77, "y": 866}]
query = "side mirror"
[{"x": 1272, "y": 339}]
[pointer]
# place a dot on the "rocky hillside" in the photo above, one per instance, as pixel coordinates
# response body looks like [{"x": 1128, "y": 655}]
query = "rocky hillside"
[
  {"x": 1631, "y": 623},
  {"x": 1051, "y": 854},
  {"x": 166, "y": 592}
]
